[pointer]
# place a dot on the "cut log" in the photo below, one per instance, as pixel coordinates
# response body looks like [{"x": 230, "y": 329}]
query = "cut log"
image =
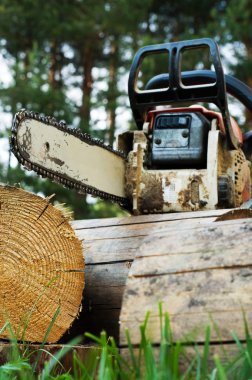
[
  {"x": 41, "y": 267},
  {"x": 198, "y": 267},
  {"x": 202, "y": 273},
  {"x": 110, "y": 248}
]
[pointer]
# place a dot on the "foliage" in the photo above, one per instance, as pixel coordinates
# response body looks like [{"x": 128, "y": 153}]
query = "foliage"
[{"x": 170, "y": 361}]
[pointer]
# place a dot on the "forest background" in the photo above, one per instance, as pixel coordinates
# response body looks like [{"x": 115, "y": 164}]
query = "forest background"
[{"x": 70, "y": 59}]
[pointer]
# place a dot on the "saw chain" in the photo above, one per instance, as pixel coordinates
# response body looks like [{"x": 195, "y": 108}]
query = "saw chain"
[{"x": 59, "y": 178}]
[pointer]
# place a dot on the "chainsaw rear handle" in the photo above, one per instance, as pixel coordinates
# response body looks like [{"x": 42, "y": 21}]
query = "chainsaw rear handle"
[
  {"x": 234, "y": 86},
  {"x": 176, "y": 91}
]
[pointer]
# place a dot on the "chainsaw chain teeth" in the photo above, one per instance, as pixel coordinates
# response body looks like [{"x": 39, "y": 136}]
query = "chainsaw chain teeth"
[{"x": 64, "y": 180}]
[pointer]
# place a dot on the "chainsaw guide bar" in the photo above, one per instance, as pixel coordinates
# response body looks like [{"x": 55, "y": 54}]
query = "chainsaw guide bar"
[{"x": 31, "y": 144}]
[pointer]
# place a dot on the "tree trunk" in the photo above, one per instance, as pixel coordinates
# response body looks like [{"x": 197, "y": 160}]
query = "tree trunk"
[
  {"x": 41, "y": 267},
  {"x": 53, "y": 64},
  {"x": 112, "y": 90},
  {"x": 87, "y": 85},
  {"x": 26, "y": 62}
]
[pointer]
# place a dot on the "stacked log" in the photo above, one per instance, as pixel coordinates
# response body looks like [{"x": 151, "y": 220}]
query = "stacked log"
[
  {"x": 198, "y": 264},
  {"x": 201, "y": 271},
  {"x": 110, "y": 248}
]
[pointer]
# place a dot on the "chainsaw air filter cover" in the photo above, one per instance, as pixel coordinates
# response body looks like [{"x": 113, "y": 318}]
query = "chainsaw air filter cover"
[{"x": 179, "y": 140}]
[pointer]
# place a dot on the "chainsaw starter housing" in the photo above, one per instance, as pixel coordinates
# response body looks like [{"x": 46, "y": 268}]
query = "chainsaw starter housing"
[{"x": 179, "y": 176}]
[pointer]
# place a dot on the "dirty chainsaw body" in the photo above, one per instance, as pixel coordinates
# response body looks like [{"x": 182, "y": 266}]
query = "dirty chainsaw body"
[{"x": 179, "y": 159}]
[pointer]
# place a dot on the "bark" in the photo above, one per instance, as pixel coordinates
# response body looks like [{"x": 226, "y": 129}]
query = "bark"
[
  {"x": 55, "y": 70},
  {"x": 53, "y": 64},
  {"x": 112, "y": 91},
  {"x": 87, "y": 85},
  {"x": 26, "y": 62}
]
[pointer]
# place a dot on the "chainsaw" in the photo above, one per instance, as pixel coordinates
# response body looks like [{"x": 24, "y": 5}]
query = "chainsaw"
[{"x": 178, "y": 159}]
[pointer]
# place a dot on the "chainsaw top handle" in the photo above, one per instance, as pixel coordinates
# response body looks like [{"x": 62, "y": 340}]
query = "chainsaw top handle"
[
  {"x": 234, "y": 86},
  {"x": 142, "y": 101}
]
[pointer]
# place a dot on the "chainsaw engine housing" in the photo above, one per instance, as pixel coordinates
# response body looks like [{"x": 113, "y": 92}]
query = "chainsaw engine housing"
[{"x": 214, "y": 178}]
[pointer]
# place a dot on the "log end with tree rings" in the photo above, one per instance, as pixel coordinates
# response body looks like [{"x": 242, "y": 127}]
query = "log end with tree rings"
[{"x": 41, "y": 268}]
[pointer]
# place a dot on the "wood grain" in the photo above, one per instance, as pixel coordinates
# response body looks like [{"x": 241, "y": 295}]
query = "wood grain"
[
  {"x": 110, "y": 247},
  {"x": 41, "y": 267},
  {"x": 201, "y": 273},
  {"x": 199, "y": 268},
  {"x": 142, "y": 219}
]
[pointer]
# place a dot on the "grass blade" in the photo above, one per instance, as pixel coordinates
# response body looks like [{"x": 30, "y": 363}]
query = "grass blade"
[
  {"x": 220, "y": 369},
  {"x": 57, "y": 357},
  {"x": 46, "y": 337},
  {"x": 205, "y": 358},
  {"x": 132, "y": 355}
]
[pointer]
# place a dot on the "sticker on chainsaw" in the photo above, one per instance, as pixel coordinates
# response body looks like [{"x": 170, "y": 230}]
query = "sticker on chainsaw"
[{"x": 171, "y": 191}]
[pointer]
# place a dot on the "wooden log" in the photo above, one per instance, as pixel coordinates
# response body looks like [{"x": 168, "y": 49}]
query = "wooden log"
[
  {"x": 41, "y": 267},
  {"x": 110, "y": 247},
  {"x": 202, "y": 273}
]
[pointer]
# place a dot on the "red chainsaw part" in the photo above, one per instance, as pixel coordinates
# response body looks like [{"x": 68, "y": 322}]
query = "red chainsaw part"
[{"x": 208, "y": 113}]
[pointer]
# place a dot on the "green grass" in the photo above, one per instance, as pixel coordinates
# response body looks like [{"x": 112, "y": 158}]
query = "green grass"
[{"x": 170, "y": 361}]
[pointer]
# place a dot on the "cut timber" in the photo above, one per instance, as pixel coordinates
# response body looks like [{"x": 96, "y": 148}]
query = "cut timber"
[
  {"x": 110, "y": 247},
  {"x": 201, "y": 272},
  {"x": 41, "y": 267}
]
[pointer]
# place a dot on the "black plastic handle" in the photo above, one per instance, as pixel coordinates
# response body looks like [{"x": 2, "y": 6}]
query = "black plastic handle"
[
  {"x": 234, "y": 86},
  {"x": 177, "y": 91}
]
